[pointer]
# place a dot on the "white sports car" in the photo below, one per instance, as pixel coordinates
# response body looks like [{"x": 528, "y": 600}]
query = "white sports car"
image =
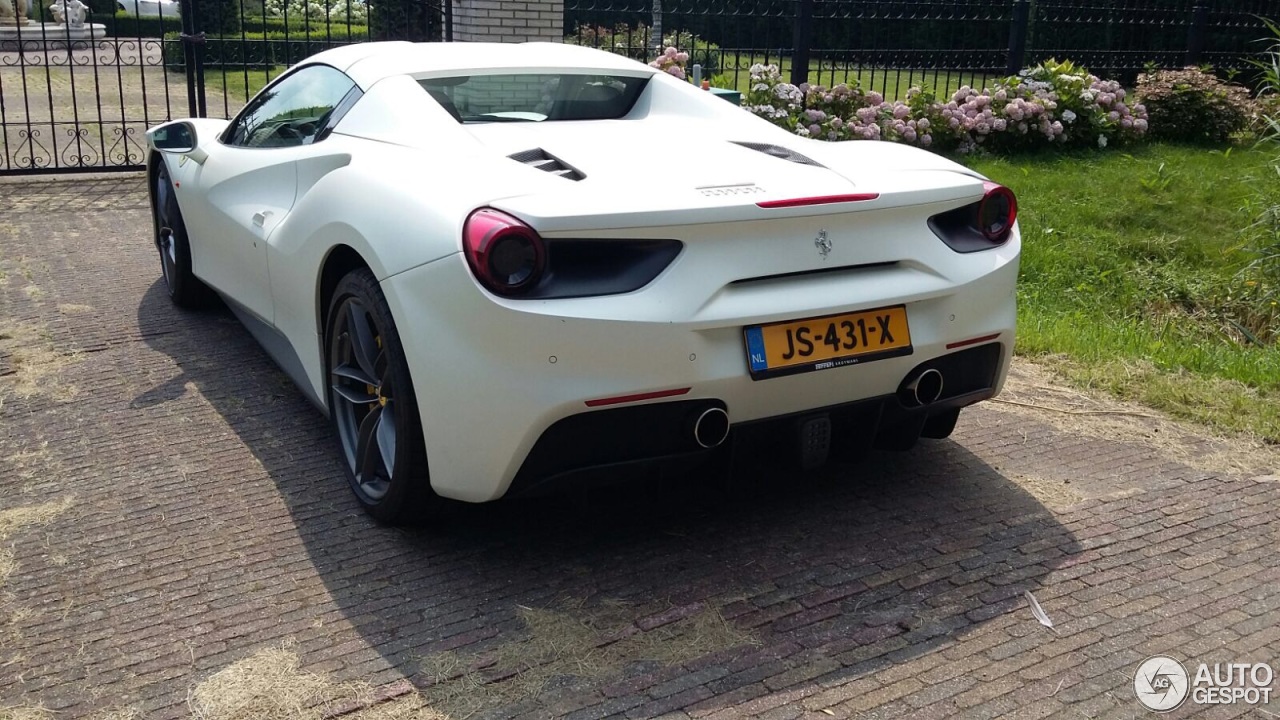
[
  {"x": 150, "y": 8},
  {"x": 499, "y": 266}
]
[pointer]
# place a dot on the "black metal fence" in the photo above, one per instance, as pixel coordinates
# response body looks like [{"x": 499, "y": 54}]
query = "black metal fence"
[
  {"x": 890, "y": 46},
  {"x": 78, "y": 97}
]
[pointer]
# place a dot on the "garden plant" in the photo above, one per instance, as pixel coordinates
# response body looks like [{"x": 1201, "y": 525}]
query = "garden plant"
[{"x": 1052, "y": 103}]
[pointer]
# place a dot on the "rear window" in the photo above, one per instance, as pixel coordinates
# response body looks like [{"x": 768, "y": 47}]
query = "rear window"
[{"x": 535, "y": 97}]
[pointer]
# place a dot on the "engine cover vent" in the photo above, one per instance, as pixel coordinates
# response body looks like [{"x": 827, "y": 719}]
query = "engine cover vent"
[
  {"x": 543, "y": 160},
  {"x": 779, "y": 152}
]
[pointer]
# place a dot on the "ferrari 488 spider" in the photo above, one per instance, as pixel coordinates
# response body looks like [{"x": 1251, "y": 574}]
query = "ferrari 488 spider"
[{"x": 499, "y": 266}]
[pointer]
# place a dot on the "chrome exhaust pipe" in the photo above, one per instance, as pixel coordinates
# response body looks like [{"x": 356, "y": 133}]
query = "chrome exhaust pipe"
[
  {"x": 711, "y": 428},
  {"x": 926, "y": 388}
]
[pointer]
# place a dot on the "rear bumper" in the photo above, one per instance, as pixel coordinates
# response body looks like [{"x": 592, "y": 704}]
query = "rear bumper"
[
  {"x": 492, "y": 377},
  {"x": 598, "y": 446}
]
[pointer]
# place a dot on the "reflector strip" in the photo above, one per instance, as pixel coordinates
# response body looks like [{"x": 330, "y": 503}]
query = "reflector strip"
[
  {"x": 819, "y": 200},
  {"x": 637, "y": 397},
  {"x": 971, "y": 341}
]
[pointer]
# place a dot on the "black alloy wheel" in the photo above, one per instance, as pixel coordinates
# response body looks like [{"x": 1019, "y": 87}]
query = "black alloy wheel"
[
  {"x": 372, "y": 404},
  {"x": 170, "y": 236}
]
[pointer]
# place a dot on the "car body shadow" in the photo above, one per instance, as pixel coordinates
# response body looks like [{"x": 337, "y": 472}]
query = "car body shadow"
[{"x": 905, "y": 551}]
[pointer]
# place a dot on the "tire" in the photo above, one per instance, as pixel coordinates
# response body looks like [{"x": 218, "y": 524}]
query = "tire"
[
  {"x": 373, "y": 408},
  {"x": 170, "y": 237}
]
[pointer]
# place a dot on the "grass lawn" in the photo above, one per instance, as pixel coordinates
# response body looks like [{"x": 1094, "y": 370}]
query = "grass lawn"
[
  {"x": 240, "y": 85},
  {"x": 1130, "y": 277}
]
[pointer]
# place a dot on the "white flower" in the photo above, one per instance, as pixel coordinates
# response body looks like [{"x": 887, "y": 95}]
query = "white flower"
[
  {"x": 1068, "y": 116},
  {"x": 1102, "y": 141}
]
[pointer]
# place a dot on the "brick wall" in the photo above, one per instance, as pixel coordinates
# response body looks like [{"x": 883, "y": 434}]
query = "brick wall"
[{"x": 508, "y": 20}]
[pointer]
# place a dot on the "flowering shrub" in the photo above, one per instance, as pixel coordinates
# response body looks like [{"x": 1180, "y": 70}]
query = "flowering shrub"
[
  {"x": 633, "y": 42},
  {"x": 808, "y": 111},
  {"x": 333, "y": 11},
  {"x": 1191, "y": 105},
  {"x": 672, "y": 62},
  {"x": 1052, "y": 103}
]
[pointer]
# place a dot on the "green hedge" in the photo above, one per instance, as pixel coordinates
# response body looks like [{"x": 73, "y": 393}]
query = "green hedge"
[
  {"x": 261, "y": 50},
  {"x": 217, "y": 17},
  {"x": 124, "y": 25},
  {"x": 295, "y": 26}
]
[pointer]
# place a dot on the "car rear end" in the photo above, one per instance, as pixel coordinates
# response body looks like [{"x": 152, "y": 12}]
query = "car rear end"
[{"x": 597, "y": 329}]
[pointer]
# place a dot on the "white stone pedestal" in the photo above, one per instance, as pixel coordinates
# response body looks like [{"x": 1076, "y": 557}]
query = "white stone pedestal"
[{"x": 36, "y": 36}]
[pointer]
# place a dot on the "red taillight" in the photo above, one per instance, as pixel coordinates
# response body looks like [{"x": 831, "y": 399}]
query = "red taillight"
[
  {"x": 505, "y": 255},
  {"x": 997, "y": 212}
]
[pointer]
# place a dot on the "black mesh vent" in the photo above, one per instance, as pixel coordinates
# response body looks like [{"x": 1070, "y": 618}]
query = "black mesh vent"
[
  {"x": 540, "y": 159},
  {"x": 779, "y": 152}
]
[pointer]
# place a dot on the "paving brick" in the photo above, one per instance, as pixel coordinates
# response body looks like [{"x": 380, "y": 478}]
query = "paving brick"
[
  {"x": 880, "y": 696},
  {"x": 939, "y": 692},
  {"x": 895, "y": 594},
  {"x": 687, "y": 682},
  {"x": 844, "y": 692},
  {"x": 985, "y": 691}
]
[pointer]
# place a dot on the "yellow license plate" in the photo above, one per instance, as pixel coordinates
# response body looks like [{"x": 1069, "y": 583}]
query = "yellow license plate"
[{"x": 826, "y": 342}]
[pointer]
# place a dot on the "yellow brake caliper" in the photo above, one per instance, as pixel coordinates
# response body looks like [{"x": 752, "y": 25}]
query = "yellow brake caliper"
[{"x": 371, "y": 389}]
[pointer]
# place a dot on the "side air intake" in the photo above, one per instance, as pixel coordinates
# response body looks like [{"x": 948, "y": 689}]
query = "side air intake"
[
  {"x": 540, "y": 159},
  {"x": 779, "y": 152}
]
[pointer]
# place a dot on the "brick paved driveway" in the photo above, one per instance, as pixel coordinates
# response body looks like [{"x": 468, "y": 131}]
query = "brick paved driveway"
[{"x": 172, "y": 506}]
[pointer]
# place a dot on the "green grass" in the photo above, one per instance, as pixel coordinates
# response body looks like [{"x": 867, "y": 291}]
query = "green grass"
[
  {"x": 1130, "y": 278},
  {"x": 241, "y": 84}
]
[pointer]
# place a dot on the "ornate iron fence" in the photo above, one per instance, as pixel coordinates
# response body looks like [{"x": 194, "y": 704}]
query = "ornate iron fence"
[
  {"x": 892, "y": 45},
  {"x": 77, "y": 97},
  {"x": 1121, "y": 37}
]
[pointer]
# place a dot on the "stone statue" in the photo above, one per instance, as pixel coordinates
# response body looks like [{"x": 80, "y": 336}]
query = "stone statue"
[
  {"x": 77, "y": 13},
  {"x": 71, "y": 13},
  {"x": 13, "y": 12}
]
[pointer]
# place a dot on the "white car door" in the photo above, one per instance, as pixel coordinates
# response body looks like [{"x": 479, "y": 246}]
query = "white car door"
[{"x": 248, "y": 184}]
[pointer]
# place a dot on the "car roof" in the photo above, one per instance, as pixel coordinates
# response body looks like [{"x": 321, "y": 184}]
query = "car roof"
[{"x": 367, "y": 63}]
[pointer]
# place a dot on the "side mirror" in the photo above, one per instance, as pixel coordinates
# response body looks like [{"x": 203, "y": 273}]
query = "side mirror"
[
  {"x": 176, "y": 137},
  {"x": 179, "y": 138}
]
